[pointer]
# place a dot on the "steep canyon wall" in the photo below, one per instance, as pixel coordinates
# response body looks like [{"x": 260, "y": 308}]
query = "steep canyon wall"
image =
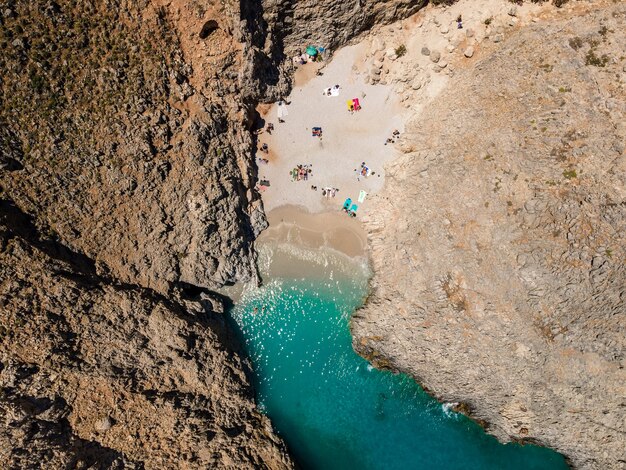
[{"x": 500, "y": 277}]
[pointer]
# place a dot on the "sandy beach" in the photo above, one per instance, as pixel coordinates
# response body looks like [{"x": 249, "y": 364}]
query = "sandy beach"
[{"x": 349, "y": 139}]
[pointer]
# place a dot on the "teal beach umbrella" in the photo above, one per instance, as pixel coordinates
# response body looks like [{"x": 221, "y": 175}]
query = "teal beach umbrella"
[{"x": 311, "y": 50}]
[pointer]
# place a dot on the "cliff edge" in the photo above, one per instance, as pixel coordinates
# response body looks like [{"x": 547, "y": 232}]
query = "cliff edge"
[{"x": 498, "y": 243}]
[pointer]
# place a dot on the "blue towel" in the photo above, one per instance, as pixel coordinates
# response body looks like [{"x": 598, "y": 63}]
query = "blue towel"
[
  {"x": 354, "y": 207},
  {"x": 347, "y": 203}
]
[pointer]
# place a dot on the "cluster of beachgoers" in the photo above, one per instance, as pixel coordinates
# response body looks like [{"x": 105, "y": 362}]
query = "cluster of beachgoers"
[
  {"x": 301, "y": 172},
  {"x": 364, "y": 171},
  {"x": 395, "y": 135},
  {"x": 344, "y": 135}
]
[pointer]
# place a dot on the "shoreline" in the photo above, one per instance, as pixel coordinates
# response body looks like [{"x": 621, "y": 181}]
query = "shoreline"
[
  {"x": 316, "y": 230},
  {"x": 320, "y": 241}
]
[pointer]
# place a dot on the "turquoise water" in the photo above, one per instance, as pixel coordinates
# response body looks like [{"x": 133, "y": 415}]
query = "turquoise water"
[{"x": 337, "y": 412}]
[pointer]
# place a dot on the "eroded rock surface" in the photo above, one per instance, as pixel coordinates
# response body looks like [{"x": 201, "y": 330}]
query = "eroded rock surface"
[
  {"x": 128, "y": 137},
  {"x": 97, "y": 374},
  {"x": 295, "y": 24},
  {"x": 499, "y": 241}
]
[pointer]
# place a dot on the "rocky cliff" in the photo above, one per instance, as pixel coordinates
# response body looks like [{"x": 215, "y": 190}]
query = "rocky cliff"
[
  {"x": 125, "y": 141},
  {"x": 500, "y": 278},
  {"x": 294, "y": 24},
  {"x": 100, "y": 374},
  {"x": 125, "y": 174}
]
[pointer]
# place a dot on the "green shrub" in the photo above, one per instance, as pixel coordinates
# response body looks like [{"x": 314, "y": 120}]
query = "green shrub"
[
  {"x": 592, "y": 59},
  {"x": 400, "y": 50},
  {"x": 576, "y": 43},
  {"x": 569, "y": 174}
]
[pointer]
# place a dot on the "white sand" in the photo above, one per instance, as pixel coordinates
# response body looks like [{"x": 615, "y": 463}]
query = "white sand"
[{"x": 348, "y": 139}]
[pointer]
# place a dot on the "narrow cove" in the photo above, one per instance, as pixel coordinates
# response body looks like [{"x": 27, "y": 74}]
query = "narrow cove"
[{"x": 330, "y": 405}]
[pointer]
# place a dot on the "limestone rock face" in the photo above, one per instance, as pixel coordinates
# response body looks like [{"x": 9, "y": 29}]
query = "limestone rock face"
[
  {"x": 498, "y": 243},
  {"x": 98, "y": 374},
  {"x": 130, "y": 149},
  {"x": 329, "y": 23}
]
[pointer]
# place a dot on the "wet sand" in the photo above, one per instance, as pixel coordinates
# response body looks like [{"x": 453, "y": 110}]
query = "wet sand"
[
  {"x": 315, "y": 231},
  {"x": 299, "y": 244}
]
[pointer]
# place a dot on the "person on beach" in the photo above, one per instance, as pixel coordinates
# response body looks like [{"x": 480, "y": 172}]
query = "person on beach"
[
  {"x": 269, "y": 128},
  {"x": 265, "y": 148}
]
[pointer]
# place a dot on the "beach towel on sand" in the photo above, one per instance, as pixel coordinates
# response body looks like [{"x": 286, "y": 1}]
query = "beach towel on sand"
[
  {"x": 362, "y": 195},
  {"x": 347, "y": 203},
  {"x": 281, "y": 111}
]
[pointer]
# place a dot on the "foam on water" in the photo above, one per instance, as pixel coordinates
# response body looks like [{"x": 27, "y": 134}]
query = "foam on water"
[{"x": 334, "y": 409}]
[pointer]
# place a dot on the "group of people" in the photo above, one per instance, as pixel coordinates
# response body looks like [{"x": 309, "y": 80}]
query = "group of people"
[
  {"x": 331, "y": 91},
  {"x": 301, "y": 172},
  {"x": 363, "y": 172},
  {"x": 394, "y": 136},
  {"x": 317, "y": 132},
  {"x": 329, "y": 192}
]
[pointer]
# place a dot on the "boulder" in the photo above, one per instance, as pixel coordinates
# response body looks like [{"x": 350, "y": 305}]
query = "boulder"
[{"x": 469, "y": 52}]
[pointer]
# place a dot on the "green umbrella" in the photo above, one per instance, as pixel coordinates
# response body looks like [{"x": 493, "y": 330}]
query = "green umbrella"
[{"x": 312, "y": 51}]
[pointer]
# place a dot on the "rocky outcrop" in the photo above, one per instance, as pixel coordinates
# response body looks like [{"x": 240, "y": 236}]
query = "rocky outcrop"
[
  {"x": 295, "y": 24},
  {"x": 500, "y": 279},
  {"x": 99, "y": 374},
  {"x": 281, "y": 29},
  {"x": 125, "y": 170},
  {"x": 128, "y": 142}
]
